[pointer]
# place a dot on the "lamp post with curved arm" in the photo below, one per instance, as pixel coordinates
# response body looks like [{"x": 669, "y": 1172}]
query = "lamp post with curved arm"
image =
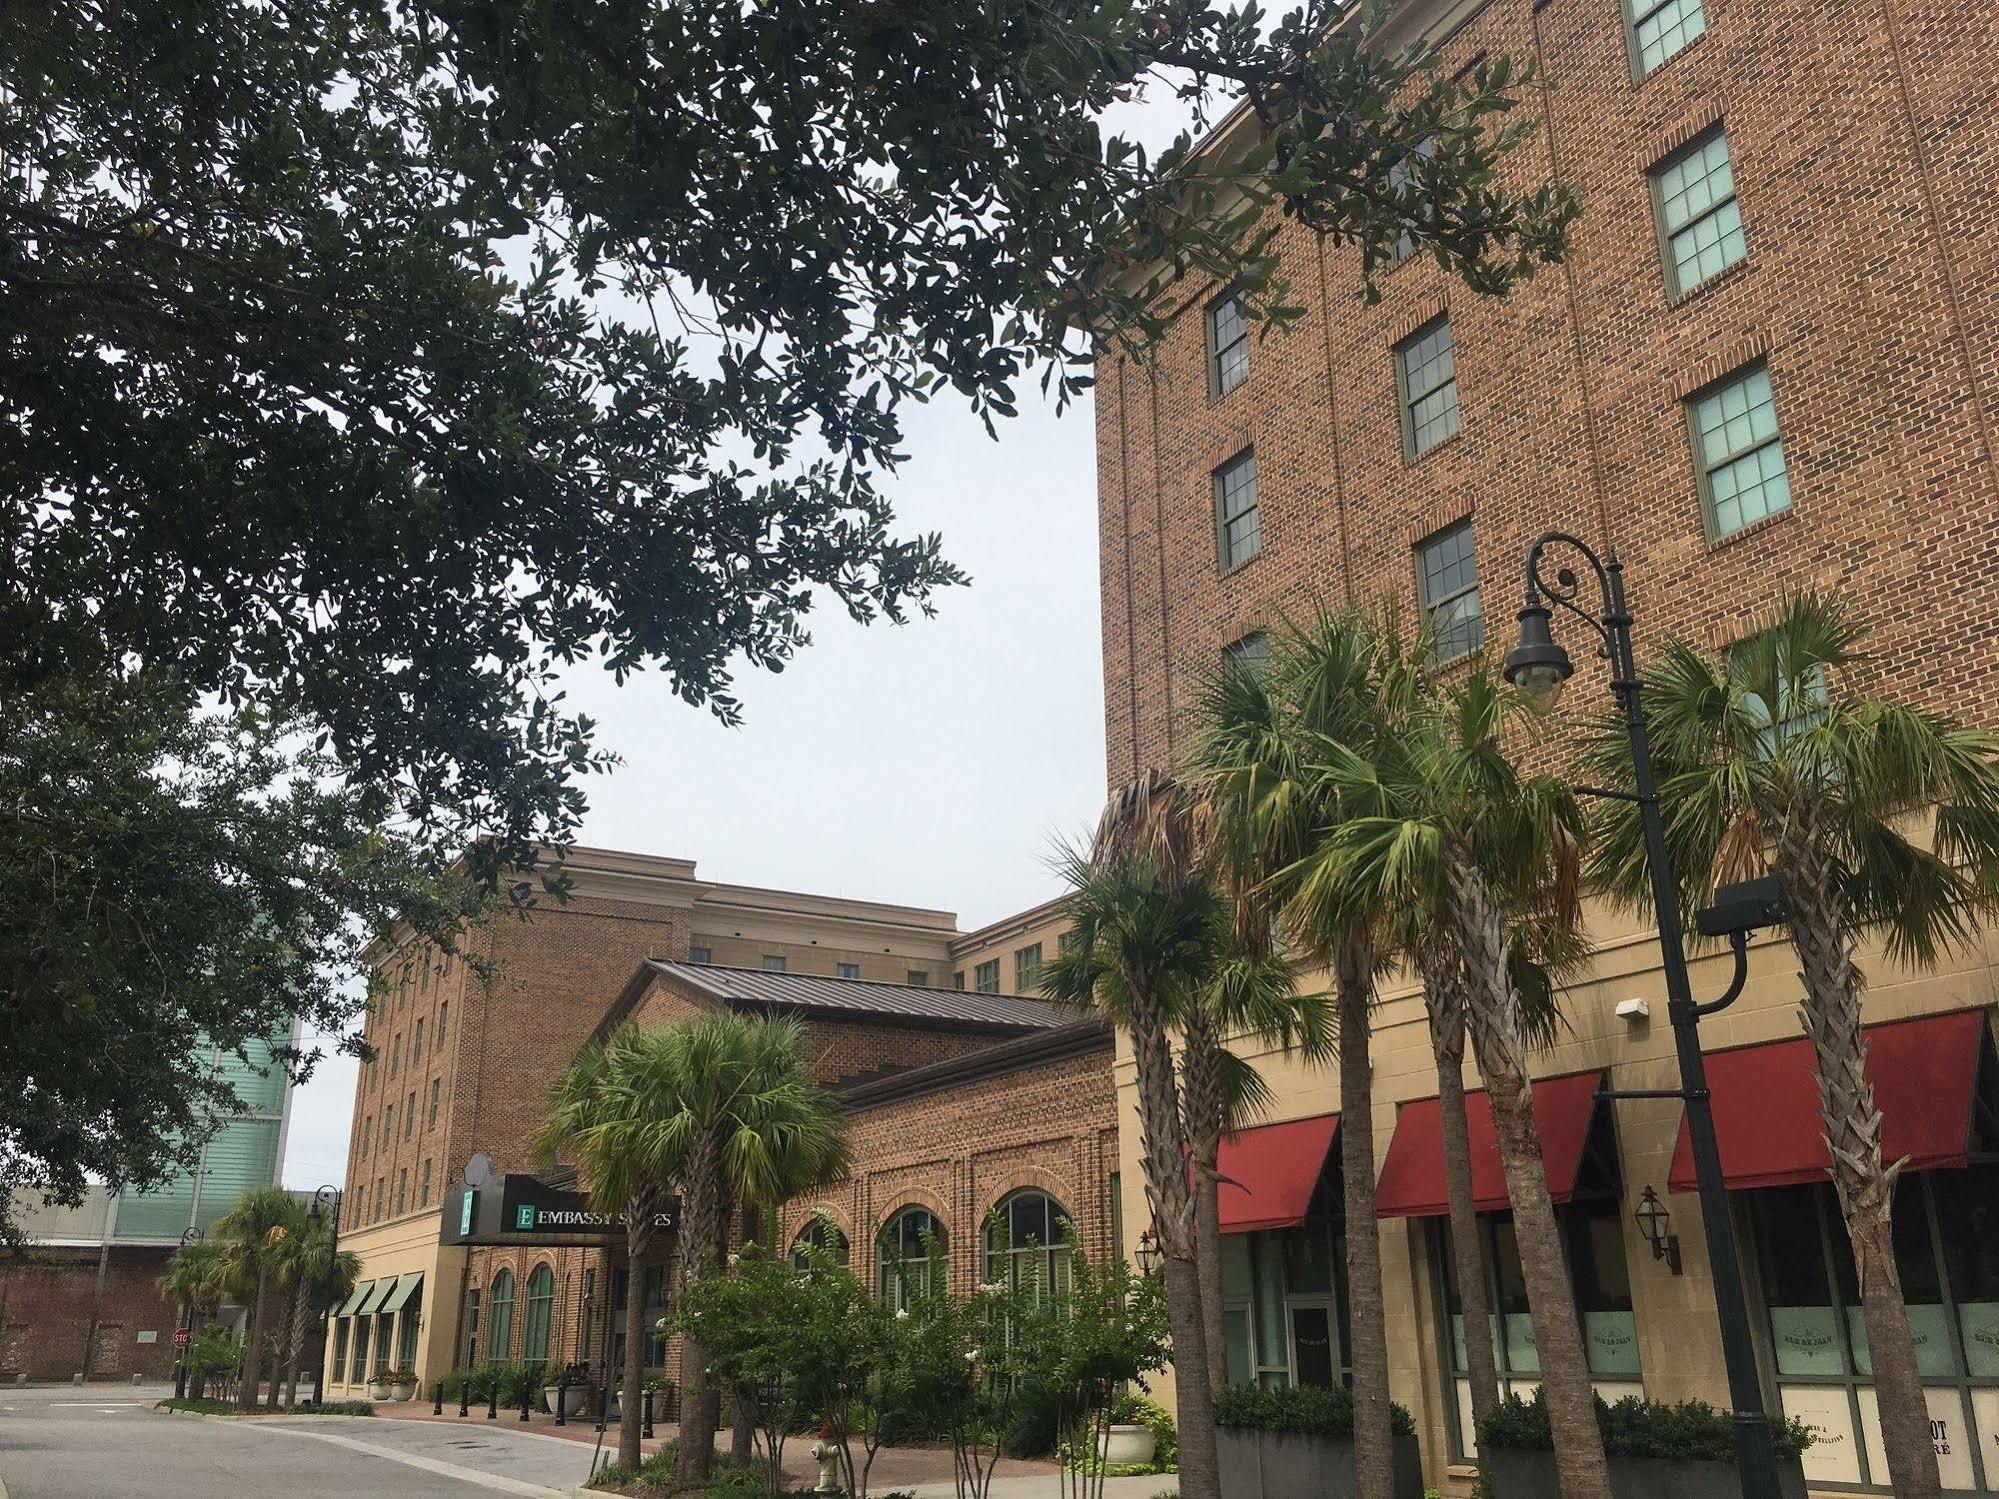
[
  {"x": 327, "y": 1199},
  {"x": 1539, "y": 667}
]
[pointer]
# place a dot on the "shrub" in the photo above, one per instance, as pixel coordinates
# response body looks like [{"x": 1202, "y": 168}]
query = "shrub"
[
  {"x": 229, "y": 1408},
  {"x": 1691, "y": 1431},
  {"x": 1311, "y": 1410},
  {"x": 518, "y": 1382}
]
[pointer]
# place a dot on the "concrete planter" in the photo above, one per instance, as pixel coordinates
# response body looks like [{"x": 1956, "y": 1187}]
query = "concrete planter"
[
  {"x": 1518, "y": 1473},
  {"x": 380, "y": 1389},
  {"x": 402, "y": 1389},
  {"x": 1288, "y": 1465},
  {"x": 1129, "y": 1445},
  {"x": 575, "y": 1399}
]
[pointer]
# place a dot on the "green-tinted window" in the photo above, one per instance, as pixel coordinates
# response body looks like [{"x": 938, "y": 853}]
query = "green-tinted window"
[
  {"x": 773, "y": 963},
  {"x": 917, "y": 978},
  {"x": 1027, "y": 968},
  {"x": 500, "y": 1323},
  {"x": 1238, "y": 528},
  {"x": 903, "y": 1256},
  {"x": 164, "y": 1214},
  {"x": 849, "y": 970},
  {"x": 258, "y": 1082},
  {"x": 1027, "y": 1244},
  {"x": 958, "y": 979},
  {"x": 540, "y": 1308},
  {"x": 1228, "y": 345},
  {"x": 697, "y": 955},
  {"x": 1699, "y": 219},
  {"x": 1738, "y": 454},
  {"x": 1661, "y": 28},
  {"x": 1426, "y": 367},
  {"x": 985, "y": 977},
  {"x": 240, "y": 1155},
  {"x": 1251, "y": 653},
  {"x": 1447, "y": 589}
]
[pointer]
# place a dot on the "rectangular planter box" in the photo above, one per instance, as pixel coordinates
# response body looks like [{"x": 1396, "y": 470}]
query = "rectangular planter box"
[
  {"x": 1287, "y": 1465},
  {"x": 1518, "y": 1474}
]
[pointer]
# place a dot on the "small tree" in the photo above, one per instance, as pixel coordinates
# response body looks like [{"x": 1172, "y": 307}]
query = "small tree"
[{"x": 258, "y": 1227}]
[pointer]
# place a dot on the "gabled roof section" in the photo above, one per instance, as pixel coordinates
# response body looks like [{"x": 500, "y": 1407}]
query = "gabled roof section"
[{"x": 848, "y": 999}]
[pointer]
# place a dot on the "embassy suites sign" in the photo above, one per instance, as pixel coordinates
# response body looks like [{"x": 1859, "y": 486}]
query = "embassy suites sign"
[{"x": 521, "y": 1209}]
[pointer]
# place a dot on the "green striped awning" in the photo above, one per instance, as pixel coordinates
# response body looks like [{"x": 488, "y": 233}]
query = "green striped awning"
[
  {"x": 377, "y": 1296},
  {"x": 405, "y": 1288},
  {"x": 352, "y": 1304}
]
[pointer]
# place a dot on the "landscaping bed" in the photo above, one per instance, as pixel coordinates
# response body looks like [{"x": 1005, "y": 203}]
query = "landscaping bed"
[
  {"x": 230, "y": 1408},
  {"x": 1297, "y": 1443},
  {"x": 1654, "y": 1450}
]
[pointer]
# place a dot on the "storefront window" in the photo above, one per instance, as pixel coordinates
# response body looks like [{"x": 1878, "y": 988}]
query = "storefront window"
[
  {"x": 903, "y": 1256},
  {"x": 1027, "y": 1244},
  {"x": 407, "y": 1323},
  {"x": 360, "y": 1345},
  {"x": 653, "y": 1354},
  {"x": 1944, "y": 1222},
  {"x": 340, "y": 1329},
  {"x": 540, "y": 1308},
  {"x": 500, "y": 1337},
  {"x": 471, "y": 1328},
  {"x": 1284, "y": 1312}
]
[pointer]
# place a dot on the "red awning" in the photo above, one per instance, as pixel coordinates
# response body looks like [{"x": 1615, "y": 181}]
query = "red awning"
[
  {"x": 1766, "y": 1102},
  {"x": 1270, "y": 1172},
  {"x": 1412, "y": 1178}
]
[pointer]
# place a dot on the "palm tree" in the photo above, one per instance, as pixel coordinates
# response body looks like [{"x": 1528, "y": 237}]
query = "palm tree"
[
  {"x": 1768, "y": 761},
  {"x": 258, "y": 1226},
  {"x": 197, "y": 1280},
  {"x": 724, "y": 1108},
  {"x": 1253, "y": 756},
  {"x": 603, "y": 1117},
  {"x": 1149, "y": 938},
  {"x": 316, "y": 1274}
]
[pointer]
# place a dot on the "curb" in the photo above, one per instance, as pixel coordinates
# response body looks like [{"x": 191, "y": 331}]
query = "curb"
[{"x": 255, "y": 1417}]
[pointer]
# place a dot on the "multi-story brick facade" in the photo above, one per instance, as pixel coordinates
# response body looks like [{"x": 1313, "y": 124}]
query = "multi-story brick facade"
[
  {"x": 464, "y": 1060},
  {"x": 1788, "y": 220}
]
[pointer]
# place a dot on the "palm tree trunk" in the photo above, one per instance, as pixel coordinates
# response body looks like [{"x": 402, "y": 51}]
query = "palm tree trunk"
[
  {"x": 700, "y": 1403},
  {"x": 1367, "y": 1318},
  {"x": 631, "y": 1387},
  {"x": 253, "y": 1347},
  {"x": 1163, "y": 1154},
  {"x": 1866, "y": 1186},
  {"x": 280, "y": 1359},
  {"x": 742, "y": 1438},
  {"x": 1200, "y": 1066},
  {"x": 1443, "y": 984},
  {"x": 1493, "y": 1007}
]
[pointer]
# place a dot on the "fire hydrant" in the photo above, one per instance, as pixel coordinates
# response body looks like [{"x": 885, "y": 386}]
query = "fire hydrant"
[{"x": 829, "y": 1465}]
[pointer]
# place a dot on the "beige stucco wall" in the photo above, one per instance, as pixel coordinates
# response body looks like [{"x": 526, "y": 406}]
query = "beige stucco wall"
[{"x": 394, "y": 1249}]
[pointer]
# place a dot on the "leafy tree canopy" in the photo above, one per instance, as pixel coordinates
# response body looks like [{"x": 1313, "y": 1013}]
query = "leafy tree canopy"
[
  {"x": 174, "y": 884},
  {"x": 389, "y": 358}
]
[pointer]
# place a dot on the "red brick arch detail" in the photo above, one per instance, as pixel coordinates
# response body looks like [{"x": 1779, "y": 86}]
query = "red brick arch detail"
[
  {"x": 1023, "y": 1177},
  {"x": 918, "y": 1197}
]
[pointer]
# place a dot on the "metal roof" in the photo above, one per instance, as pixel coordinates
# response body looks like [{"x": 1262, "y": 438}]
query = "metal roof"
[{"x": 753, "y": 988}]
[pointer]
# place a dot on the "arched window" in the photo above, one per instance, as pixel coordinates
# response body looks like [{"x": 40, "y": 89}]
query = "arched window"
[
  {"x": 820, "y": 1233},
  {"x": 500, "y": 1321},
  {"x": 1027, "y": 1244},
  {"x": 534, "y": 1326},
  {"x": 903, "y": 1256}
]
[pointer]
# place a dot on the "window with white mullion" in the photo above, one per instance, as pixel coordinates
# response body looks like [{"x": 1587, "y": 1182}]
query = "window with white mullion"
[
  {"x": 1427, "y": 369},
  {"x": 1699, "y": 218},
  {"x": 1739, "y": 453}
]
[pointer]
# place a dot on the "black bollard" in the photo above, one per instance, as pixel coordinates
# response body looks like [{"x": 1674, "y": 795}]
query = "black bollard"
[
  {"x": 646, "y": 1432},
  {"x": 493, "y": 1400},
  {"x": 437, "y": 1405},
  {"x": 603, "y": 1407},
  {"x": 527, "y": 1394},
  {"x": 465, "y": 1396},
  {"x": 561, "y": 1405}
]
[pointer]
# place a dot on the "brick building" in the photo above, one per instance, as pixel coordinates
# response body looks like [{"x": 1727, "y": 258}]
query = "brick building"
[
  {"x": 960, "y": 1100},
  {"x": 1768, "y": 363}
]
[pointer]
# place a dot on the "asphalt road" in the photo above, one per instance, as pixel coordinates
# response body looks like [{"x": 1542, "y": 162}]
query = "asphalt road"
[{"x": 106, "y": 1442}]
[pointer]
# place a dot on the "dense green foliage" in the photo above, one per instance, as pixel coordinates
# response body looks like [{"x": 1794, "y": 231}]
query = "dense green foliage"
[
  {"x": 1310, "y": 1410},
  {"x": 1691, "y": 1431},
  {"x": 392, "y": 357},
  {"x": 172, "y": 881},
  {"x": 224, "y": 1408}
]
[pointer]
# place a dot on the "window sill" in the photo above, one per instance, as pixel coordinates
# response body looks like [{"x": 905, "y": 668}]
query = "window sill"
[
  {"x": 1722, "y": 277},
  {"x": 1754, "y": 528},
  {"x": 1638, "y": 79},
  {"x": 1216, "y": 401},
  {"x": 1236, "y": 567},
  {"x": 1410, "y": 460}
]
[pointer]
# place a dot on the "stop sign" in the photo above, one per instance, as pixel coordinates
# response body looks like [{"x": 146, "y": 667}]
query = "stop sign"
[{"x": 180, "y": 1337}]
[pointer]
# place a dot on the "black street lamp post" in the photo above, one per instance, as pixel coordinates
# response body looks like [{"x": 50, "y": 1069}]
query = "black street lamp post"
[
  {"x": 1539, "y": 666},
  {"x": 326, "y": 1199}
]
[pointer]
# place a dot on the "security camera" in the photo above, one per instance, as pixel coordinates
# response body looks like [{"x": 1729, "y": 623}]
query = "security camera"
[{"x": 1744, "y": 907}]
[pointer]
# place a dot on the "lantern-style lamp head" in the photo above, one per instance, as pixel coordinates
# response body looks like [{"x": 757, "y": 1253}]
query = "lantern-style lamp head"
[
  {"x": 1149, "y": 1253},
  {"x": 1538, "y": 665},
  {"x": 1655, "y": 1222}
]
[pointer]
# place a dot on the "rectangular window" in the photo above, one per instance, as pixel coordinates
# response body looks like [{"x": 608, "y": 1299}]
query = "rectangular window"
[
  {"x": 402, "y": 1190},
  {"x": 1447, "y": 591},
  {"x": 1239, "y": 533},
  {"x": 425, "y": 1200},
  {"x": 1228, "y": 345},
  {"x": 409, "y": 1114},
  {"x": 1251, "y": 653},
  {"x": 985, "y": 978},
  {"x": 367, "y": 1135},
  {"x": 436, "y": 1087},
  {"x": 1426, "y": 371},
  {"x": 472, "y": 1328},
  {"x": 697, "y": 955},
  {"x": 773, "y": 963},
  {"x": 1662, "y": 28},
  {"x": 1071, "y": 940},
  {"x": 361, "y": 1347},
  {"x": 396, "y": 1054},
  {"x": 850, "y": 970},
  {"x": 918, "y": 978},
  {"x": 1803, "y": 699},
  {"x": 416, "y": 1045},
  {"x": 340, "y": 1327},
  {"x": 437, "y": 1037},
  {"x": 958, "y": 979},
  {"x": 381, "y": 1197},
  {"x": 1738, "y": 455},
  {"x": 1700, "y": 224},
  {"x": 1027, "y": 969},
  {"x": 388, "y": 1126}
]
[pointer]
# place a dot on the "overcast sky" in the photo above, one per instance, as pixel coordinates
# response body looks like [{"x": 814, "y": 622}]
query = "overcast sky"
[{"x": 931, "y": 764}]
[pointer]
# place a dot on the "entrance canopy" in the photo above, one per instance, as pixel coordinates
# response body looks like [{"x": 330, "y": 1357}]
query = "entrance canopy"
[
  {"x": 1270, "y": 1172},
  {"x": 1925, "y": 1074},
  {"x": 1412, "y": 1178}
]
